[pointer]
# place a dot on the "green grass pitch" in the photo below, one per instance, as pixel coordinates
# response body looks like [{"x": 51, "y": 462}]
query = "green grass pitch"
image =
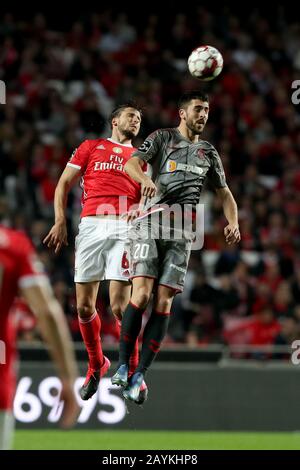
[{"x": 153, "y": 440}]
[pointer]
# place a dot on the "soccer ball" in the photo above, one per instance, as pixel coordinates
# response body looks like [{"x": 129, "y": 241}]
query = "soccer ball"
[{"x": 205, "y": 63}]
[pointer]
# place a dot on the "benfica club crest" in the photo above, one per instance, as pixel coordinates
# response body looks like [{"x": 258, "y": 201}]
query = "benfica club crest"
[
  {"x": 117, "y": 150},
  {"x": 201, "y": 153}
]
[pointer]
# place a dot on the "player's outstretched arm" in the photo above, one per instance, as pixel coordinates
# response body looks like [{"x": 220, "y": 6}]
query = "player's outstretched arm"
[
  {"x": 231, "y": 231},
  {"x": 55, "y": 332},
  {"x": 57, "y": 237},
  {"x": 134, "y": 169}
]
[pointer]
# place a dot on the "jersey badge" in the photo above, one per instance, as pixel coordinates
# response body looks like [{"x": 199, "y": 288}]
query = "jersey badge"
[
  {"x": 201, "y": 153},
  {"x": 171, "y": 166},
  {"x": 117, "y": 150}
]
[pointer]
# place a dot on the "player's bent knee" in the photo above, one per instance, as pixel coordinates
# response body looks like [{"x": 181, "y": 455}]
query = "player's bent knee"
[
  {"x": 141, "y": 298},
  {"x": 116, "y": 311},
  {"x": 164, "y": 305},
  {"x": 85, "y": 311},
  {"x": 164, "y": 300}
]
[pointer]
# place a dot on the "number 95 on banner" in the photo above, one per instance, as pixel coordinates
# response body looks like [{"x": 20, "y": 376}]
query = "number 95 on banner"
[{"x": 30, "y": 407}]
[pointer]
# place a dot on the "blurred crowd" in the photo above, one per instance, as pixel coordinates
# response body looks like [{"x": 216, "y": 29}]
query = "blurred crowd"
[{"x": 62, "y": 81}]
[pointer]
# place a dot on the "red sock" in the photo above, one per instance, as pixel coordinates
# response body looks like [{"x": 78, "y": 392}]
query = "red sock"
[
  {"x": 90, "y": 331},
  {"x": 134, "y": 358}
]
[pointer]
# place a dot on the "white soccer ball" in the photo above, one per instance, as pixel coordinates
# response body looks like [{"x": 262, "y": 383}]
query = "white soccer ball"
[{"x": 205, "y": 63}]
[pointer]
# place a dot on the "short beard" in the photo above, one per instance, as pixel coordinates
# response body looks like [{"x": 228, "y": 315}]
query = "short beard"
[
  {"x": 128, "y": 134},
  {"x": 193, "y": 129}
]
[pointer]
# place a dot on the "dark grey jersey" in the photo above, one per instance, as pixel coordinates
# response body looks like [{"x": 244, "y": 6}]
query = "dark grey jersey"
[{"x": 180, "y": 167}]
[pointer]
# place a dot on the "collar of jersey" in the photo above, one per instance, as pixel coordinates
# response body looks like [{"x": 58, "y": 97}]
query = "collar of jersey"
[
  {"x": 118, "y": 143},
  {"x": 186, "y": 140}
]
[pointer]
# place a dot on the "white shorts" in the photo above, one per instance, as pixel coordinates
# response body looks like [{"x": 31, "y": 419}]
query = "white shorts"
[
  {"x": 100, "y": 250},
  {"x": 7, "y": 423}
]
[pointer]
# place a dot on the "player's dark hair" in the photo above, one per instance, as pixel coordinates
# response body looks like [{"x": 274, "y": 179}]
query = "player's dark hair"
[
  {"x": 118, "y": 109},
  {"x": 187, "y": 97}
]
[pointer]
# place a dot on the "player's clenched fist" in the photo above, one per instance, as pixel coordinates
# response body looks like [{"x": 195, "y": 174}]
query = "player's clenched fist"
[{"x": 148, "y": 188}]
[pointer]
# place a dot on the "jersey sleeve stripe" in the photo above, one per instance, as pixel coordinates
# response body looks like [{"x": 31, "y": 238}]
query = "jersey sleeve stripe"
[
  {"x": 74, "y": 166},
  {"x": 33, "y": 280}
]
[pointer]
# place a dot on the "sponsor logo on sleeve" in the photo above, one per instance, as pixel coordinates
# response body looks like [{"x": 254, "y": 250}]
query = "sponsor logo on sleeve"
[{"x": 145, "y": 146}]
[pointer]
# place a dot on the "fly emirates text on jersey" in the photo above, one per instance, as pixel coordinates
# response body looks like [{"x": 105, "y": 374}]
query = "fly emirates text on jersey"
[{"x": 115, "y": 163}]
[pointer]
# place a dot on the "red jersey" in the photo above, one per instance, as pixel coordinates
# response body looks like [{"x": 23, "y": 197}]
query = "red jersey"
[
  {"x": 19, "y": 267},
  {"x": 104, "y": 180}
]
